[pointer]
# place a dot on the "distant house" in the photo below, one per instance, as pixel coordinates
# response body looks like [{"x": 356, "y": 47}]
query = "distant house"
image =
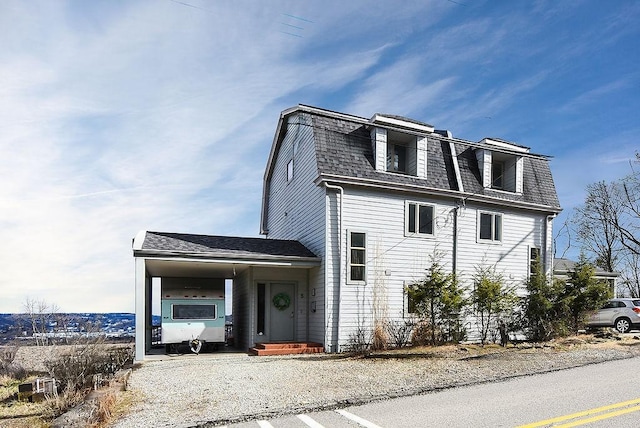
[
  {"x": 562, "y": 268},
  {"x": 353, "y": 209}
]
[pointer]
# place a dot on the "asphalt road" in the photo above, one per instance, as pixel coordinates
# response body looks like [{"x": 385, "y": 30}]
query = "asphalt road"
[{"x": 600, "y": 395}]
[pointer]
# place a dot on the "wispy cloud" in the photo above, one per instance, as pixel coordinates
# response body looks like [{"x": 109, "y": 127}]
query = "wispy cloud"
[
  {"x": 397, "y": 88},
  {"x": 595, "y": 95},
  {"x": 116, "y": 117}
]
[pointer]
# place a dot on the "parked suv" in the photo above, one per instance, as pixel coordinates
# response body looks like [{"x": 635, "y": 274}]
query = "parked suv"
[{"x": 621, "y": 314}]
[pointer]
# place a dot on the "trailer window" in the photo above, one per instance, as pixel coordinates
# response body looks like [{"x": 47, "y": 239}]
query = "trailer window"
[{"x": 194, "y": 312}]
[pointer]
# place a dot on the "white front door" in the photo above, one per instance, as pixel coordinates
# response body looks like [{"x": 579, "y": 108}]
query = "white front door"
[{"x": 282, "y": 312}]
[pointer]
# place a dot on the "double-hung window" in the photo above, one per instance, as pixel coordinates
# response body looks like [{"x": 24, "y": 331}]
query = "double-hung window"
[
  {"x": 419, "y": 219},
  {"x": 490, "y": 227},
  {"x": 357, "y": 256},
  {"x": 534, "y": 260}
]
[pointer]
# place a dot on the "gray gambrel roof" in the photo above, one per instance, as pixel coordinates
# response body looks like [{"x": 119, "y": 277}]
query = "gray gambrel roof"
[
  {"x": 344, "y": 155},
  {"x": 182, "y": 244}
]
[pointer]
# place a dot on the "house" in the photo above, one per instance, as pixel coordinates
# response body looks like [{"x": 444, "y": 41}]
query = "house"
[
  {"x": 562, "y": 269},
  {"x": 357, "y": 209}
]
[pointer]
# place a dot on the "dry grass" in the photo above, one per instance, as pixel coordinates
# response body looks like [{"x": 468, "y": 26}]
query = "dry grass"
[
  {"x": 473, "y": 350},
  {"x": 111, "y": 405},
  {"x": 26, "y": 422},
  {"x": 10, "y": 407},
  {"x": 25, "y": 414}
]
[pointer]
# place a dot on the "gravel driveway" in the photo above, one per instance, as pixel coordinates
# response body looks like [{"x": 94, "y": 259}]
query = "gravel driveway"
[{"x": 214, "y": 389}]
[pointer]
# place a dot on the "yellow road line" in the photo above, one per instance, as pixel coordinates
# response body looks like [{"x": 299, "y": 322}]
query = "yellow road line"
[
  {"x": 601, "y": 417},
  {"x": 583, "y": 413}
]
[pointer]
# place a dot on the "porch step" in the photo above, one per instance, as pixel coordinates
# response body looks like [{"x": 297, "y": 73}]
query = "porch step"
[{"x": 286, "y": 348}]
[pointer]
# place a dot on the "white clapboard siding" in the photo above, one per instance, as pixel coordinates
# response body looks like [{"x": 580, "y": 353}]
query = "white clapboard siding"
[
  {"x": 297, "y": 209},
  {"x": 395, "y": 259},
  {"x": 521, "y": 230}
]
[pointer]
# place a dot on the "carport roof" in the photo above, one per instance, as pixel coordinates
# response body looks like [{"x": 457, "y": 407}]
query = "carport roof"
[{"x": 149, "y": 244}]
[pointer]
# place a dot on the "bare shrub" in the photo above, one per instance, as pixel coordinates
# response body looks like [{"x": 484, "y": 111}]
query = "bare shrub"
[
  {"x": 359, "y": 342},
  {"x": 422, "y": 334},
  {"x": 60, "y": 403},
  {"x": 7, "y": 365},
  {"x": 8, "y": 354},
  {"x": 399, "y": 332},
  {"x": 75, "y": 369}
]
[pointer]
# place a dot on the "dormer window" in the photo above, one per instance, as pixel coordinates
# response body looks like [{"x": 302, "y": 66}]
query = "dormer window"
[
  {"x": 399, "y": 145},
  {"x": 396, "y": 158},
  {"x": 401, "y": 153},
  {"x": 501, "y": 165},
  {"x": 497, "y": 174},
  {"x": 504, "y": 171}
]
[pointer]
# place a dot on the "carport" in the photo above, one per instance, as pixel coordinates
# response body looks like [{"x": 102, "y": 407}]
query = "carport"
[{"x": 260, "y": 269}]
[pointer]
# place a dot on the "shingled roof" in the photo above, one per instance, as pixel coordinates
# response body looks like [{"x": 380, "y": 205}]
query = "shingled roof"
[
  {"x": 343, "y": 149},
  {"x": 163, "y": 243}
]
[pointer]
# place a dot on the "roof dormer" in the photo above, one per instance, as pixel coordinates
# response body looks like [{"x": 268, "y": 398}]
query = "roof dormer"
[
  {"x": 501, "y": 164},
  {"x": 398, "y": 146}
]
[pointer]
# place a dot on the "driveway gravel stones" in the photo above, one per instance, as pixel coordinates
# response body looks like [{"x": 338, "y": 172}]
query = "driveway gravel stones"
[{"x": 214, "y": 389}]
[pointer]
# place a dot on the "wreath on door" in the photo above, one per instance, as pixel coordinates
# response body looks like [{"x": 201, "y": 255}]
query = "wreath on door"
[{"x": 281, "y": 301}]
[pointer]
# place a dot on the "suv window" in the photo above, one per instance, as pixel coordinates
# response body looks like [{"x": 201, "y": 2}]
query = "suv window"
[{"x": 636, "y": 302}]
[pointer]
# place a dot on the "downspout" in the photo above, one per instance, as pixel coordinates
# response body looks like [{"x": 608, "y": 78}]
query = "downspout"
[
  {"x": 341, "y": 190},
  {"x": 548, "y": 245},
  {"x": 454, "y": 266},
  {"x": 460, "y": 203}
]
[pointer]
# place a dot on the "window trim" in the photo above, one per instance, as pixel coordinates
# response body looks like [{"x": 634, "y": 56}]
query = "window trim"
[
  {"x": 493, "y": 215},
  {"x": 349, "y": 262},
  {"x": 407, "y": 213}
]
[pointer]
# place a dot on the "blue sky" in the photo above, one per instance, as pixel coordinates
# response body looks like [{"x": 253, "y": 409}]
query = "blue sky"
[{"x": 118, "y": 116}]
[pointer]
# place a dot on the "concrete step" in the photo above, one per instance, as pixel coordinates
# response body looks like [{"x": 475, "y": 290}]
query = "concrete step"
[{"x": 286, "y": 348}]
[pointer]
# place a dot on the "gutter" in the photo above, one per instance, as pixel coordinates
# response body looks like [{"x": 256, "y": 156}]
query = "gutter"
[
  {"x": 432, "y": 191},
  {"x": 326, "y": 312},
  {"x": 228, "y": 258}
]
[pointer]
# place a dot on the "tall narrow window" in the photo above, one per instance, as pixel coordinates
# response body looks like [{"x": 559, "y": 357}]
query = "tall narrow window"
[
  {"x": 396, "y": 158},
  {"x": 420, "y": 219},
  {"x": 534, "y": 260},
  {"x": 497, "y": 174},
  {"x": 490, "y": 227},
  {"x": 290, "y": 170},
  {"x": 357, "y": 256},
  {"x": 261, "y": 308},
  {"x": 411, "y": 305}
]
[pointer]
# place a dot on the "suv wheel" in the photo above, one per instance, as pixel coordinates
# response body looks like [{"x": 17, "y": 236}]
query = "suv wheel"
[{"x": 623, "y": 325}]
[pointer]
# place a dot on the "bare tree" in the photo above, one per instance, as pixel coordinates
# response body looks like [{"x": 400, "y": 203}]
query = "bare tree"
[
  {"x": 39, "y": 314},
  {"x": 629, "y": 282},
  {"x": 608, "y": 227},
  {"x": 596, "y": 225},
  {"x": 628, "y": 222}
]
